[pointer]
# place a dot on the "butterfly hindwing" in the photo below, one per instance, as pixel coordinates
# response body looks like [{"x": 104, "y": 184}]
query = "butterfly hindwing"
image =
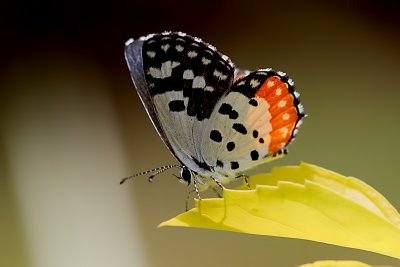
[{"x": 257, "y": 118}]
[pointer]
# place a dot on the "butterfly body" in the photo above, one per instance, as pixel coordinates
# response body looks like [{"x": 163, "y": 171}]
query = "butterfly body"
[{"x": 216, "y": 120}]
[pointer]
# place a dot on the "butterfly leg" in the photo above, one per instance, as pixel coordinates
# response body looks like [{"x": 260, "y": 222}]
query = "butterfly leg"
[
  {"x": 218, "y": 183},
  {"x": 245, "y": 177},
  {"x": 216, "y": 192},
  {"x": 247, "y": 182},
  {"x": 195, "y": 187},
  {"x": 187, "y": 199},
  {"x": 242, "y": 175}
]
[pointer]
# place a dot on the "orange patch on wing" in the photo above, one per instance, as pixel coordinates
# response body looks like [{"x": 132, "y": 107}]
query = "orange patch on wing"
[
  {"x": 272, "y": 90},
  {"x": 280, "y": 137},
  {"x": 283, "y": 112},
  {"x": 288, "y": 116},
  {"x": 281, "y": 105}
]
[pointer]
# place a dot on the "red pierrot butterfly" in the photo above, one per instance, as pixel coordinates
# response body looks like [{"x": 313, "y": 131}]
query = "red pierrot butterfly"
[{"x": 217, "y": 120}]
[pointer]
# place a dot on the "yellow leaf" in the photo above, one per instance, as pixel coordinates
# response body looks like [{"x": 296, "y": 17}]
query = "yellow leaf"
[
  {"x": 336, "y": 264},
  {"x": 306, "y": 202}
]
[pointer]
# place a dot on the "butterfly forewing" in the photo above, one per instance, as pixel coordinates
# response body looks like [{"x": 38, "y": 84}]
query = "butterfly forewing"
[
  {"x": 133, "y": 52},
  {"x": 185, "y": 78}
]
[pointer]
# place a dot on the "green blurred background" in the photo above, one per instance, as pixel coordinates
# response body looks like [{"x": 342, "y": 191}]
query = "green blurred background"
[{"x": 72, "y": 124}]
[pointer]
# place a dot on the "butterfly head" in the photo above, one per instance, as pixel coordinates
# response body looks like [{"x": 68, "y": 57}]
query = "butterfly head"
[{"x": 185, "y": 175}]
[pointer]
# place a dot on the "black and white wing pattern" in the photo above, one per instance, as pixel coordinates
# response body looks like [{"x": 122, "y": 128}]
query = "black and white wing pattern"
[
  {"x": 215, "y": 123},
  {"x": 256, "y": 118}
]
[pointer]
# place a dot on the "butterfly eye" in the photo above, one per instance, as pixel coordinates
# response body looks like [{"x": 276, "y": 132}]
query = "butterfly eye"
[{"x": 186, "y": 175}]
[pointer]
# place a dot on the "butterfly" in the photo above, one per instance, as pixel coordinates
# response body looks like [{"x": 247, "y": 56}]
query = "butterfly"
[{"x": 217, "y": 121}]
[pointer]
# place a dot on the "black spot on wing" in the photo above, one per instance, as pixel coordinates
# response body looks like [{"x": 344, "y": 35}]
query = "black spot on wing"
[
  {"x": 261, "y": 140},
  {"x": 202, "y": 164},
  {"x": 234, "y": 165},
  {"x": 220, "y": 164},
  {"x": 216, "y": 136},
  {"x": 254, "y": 155},
  {"x": 176, "y": 105},
  {"x": 253, "y": 102},
  {"x": 225, "y": 109},
  {"x": 255, "y": 133},
  {"x": 239, "y": 128},
  {"x": 233, "y": 115},
  {"x": 230, "y": 146}
]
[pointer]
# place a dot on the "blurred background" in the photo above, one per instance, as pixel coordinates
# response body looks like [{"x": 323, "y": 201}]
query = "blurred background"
[{"x": 72, "y": 125}]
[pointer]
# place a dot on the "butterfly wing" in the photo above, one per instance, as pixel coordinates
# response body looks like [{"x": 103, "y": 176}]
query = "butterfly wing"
[
  {"x": 179, "y": 79},
  {"x": 256, "y": 118}
]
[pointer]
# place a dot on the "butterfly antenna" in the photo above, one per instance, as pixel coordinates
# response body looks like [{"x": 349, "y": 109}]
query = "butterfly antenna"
[
  {"x": 154, "y": 172},
  {"x": 151, "y": 177}
]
